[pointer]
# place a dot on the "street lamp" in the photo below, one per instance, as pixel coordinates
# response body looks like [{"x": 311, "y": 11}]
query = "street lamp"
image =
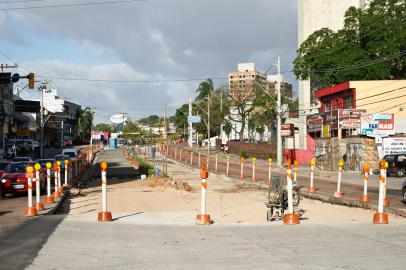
[{"x": 207, "y": 123}]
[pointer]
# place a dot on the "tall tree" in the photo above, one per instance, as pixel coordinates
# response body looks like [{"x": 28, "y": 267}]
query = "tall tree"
[
  {"x": 205, "y": 88},
  {"x": 371, "y": 46},
  {"x": 85, "y": 122}
]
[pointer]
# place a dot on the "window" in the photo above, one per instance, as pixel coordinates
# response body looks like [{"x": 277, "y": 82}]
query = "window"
[
  {"x": 327, "y": 106},
  {"x": 348, "y": 102}
]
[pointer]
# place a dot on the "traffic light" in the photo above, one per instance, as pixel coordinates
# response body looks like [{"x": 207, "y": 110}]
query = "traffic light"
[{"x": 31, "y": 81}]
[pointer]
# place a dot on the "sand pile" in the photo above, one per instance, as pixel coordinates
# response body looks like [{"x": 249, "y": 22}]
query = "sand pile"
[{"x": 157, "y": 181}]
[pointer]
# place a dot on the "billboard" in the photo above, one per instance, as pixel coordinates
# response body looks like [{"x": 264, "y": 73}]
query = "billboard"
[
  {"x": 393, "y": 146},
  {"x": 378, "y": 124},
  {"x": 287, "y": 130},
  {"x": 314, "y": 123},
  {"x": 118, "y": 119}
]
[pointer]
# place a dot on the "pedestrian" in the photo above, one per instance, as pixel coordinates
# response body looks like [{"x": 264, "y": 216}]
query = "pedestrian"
[{"x": 153, "y": 151}]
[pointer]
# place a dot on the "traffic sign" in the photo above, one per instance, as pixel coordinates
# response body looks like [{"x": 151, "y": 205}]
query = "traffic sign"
[{"x": 194, "y": 119}]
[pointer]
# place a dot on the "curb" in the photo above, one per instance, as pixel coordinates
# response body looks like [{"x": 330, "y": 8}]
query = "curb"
[{"x": 59, "y": 203}]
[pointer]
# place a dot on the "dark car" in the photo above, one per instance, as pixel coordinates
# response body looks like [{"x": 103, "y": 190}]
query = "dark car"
[
  {"x": 404, "y": 192},
  {"x": 18, "y": 159},
  {"x": 43, "y": 163},
  {"x": 396, "y": 164},
  {"x": 62, "y": 159},
  {"x": 14, "y": 179},
  {"x": 3, "y": 165}
]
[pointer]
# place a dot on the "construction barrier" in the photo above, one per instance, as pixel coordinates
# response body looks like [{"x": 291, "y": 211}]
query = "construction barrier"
[
  {"x": 385, "y": 199},
  {"x": 291, "y": 217},
  {"x": 66, "y": 173},
  {"x": 38, "y": 204},
  {"x": 203, "y": 218},
  {"x": 253, "y": 179},
  {"x": 364, "y": 197},
  {"x": 380, "y": 217},
  {"x": 216, "y": 164},
  {"x": 311, "y": 188},
  {"x": 242, "y": 168},
  {"x": 56, "y": 194},
  {"x": 30, "y": 211},
  {"x": 269, "y": 181},
  {"x": 48, "y": 198},
  {"x": 338, "y": 193},
  {"x": 104, "y": 215}
]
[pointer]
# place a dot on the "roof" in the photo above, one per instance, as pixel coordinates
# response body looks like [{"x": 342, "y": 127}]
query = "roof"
[{"x": 333, "y": 89}]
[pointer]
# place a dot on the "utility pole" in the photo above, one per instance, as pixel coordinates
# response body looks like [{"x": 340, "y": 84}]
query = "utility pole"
[
  {"x": 279, "y": 138},
  {"x": 190, "y": 141},
  {"x": 165, "y": 143},
  {"x": 208, "y": 126}
]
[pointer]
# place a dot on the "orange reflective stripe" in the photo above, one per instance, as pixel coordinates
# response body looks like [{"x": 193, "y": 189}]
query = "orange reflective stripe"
[
  {"x": 382, "y": 178},
  {"x": 204, "y": 184}
]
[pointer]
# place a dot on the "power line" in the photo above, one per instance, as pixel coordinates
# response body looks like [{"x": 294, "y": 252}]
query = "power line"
[
  {"x": 73, "y": 5},
  {"x": 132, "y": 81}
]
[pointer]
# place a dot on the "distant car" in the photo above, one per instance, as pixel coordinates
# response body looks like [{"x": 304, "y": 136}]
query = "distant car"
[
  {"x": 62, "y": 159},
  {"x": 396, "y": 164},
  {"x": 14, "y": 179},
  {"x": 18, "y": 159},
  {"x": 72, "y": 153},
  {"x": 404, "y": 192}
]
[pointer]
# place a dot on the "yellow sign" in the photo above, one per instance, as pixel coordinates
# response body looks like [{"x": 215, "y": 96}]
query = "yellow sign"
[{"x": 326, "y": 131}]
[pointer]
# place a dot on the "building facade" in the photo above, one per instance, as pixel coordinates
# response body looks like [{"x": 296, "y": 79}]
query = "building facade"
[{"x": 312, "y": 16}]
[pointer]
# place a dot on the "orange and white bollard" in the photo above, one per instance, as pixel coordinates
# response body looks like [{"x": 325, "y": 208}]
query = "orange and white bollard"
[
  {"x": 254, "y": 160},
  {"x": 269, "y": 181},
  {"x": 291, "y": 217},
  {"x": 203, "y": 218},
  {"x": 60, "y": 188},
  {"x": 385, "y": 199},
  {"x": 241, "y": 167},
  {"x": 311, "y": 189},
  {"x": 295, "y": 169},
  {"x": 199, "y": 159},
  {"x": 48, "y": 198},
  {"x": 30, "y": 211},
  {"x": 38, "y": 204},
  {"x": 364, "y": 197},
  {"x": 104, "y": 215},
  {"x": 228, "y": 165},
  {"x": 66, "y": 173},
  {"x": 180, "y": 156},
  {"x": 57, "y": 194},
  {"x": 191, "y": 158},
  {"x": 380, "y": 217},
  {"x": 338, "y": 193},
  {"x": 175, "y": 153},
  {"x": 215, "y": 168}
]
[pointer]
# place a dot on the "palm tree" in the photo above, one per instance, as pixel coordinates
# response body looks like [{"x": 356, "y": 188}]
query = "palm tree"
[
  {"x": 205, "y": 88},
  {"x": 85, "y": 122}
]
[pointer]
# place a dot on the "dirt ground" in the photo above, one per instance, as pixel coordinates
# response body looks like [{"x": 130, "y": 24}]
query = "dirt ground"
[{"x": 227, "y": 202}]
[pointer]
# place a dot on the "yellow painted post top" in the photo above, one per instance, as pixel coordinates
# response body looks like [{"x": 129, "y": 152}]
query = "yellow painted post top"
[
  {"x": 103, "y": 165},
  {"x": 366, "y": 167},
  {"x": 66, "y": 161},
  {"x": 37, "y": 167},
  {"x": 269, "y": 160},
  {"x": 241, "y": 159},
  {"x": 48, "y": 165},
  {"x": 58, "y": 163},
  {"x": 29, "y": 169},
  {"x": 254, "y": 159},
  {"x": 340, "y": 163},
  {"x": 296, "y": 164},
  {"x": 313, "y": 162}
]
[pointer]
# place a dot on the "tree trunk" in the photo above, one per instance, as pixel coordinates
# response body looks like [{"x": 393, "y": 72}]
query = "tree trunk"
[{"x": 241, "y": 132}]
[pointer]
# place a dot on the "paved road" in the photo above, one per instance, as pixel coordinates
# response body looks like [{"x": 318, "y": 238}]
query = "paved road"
[{"x": 326, "y": 182}]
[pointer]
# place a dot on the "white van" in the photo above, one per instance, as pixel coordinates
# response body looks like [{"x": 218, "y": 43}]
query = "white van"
[
  {"x": 72, "y": 153},
  {"x": 27, "y": 143}
]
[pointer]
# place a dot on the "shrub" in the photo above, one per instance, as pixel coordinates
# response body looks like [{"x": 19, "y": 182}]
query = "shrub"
[{"x": 244, "y": 154}]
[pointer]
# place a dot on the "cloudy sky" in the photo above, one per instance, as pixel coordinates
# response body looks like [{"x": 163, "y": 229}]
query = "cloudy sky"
[{"x": 154, "y": 41}]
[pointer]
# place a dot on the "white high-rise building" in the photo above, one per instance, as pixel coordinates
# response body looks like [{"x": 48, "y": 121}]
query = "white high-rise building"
[{"x": 312, "y": 16}]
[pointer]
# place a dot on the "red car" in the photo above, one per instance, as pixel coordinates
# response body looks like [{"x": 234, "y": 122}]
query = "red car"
[
  {"x": 14, "y": 179},
  {"x": 3, "y": 165}
]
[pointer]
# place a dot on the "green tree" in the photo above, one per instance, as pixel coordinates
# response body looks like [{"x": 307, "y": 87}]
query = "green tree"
[
  {"x": 205, "y": 88},
  {"x": 180, "y": 117},
  {"x": 227, "y": 129},
  {"x": 371, "y": 46},
  {"x": 85, "y": 122},
  {"x": 103, "y": 127}
]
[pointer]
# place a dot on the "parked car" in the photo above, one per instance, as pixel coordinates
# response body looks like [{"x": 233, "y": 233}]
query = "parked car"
[
  {"x": 396, "y": 164},
  {"x": 72, "y": 153},
  {"x": 14, "y": 179},
  {"x": 18, "y": 159},
  {"x": 43, "y": 163},
  {"x": 404, "y": 192},
  {"x": 62, "y": 159},
  {"x": 3, "y": 165}
]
